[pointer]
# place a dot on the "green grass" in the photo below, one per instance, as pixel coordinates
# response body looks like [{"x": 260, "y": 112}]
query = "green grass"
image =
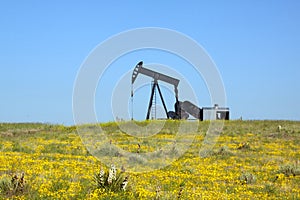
[{"x": 250, "y": 159}]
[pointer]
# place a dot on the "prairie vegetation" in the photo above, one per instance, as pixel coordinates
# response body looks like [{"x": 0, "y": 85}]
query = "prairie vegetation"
[{"x": 250, "y": 160}]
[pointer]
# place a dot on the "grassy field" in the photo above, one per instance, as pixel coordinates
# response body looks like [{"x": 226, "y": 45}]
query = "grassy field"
[{"x": 250, "y": 160}]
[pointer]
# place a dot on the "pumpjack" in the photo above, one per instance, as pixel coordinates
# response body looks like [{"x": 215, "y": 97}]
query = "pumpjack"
[{"x": 182, "y": 109}]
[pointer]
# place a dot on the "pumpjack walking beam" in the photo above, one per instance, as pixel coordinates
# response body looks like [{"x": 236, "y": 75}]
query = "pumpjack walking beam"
[{"x": 139, "y": 69}]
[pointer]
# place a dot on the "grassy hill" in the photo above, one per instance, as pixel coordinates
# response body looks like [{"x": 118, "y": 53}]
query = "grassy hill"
[{"x": 248, "y": 160}]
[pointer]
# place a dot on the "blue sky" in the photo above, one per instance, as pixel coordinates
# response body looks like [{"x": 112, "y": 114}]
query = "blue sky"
[{"x": 255, "y": 45}]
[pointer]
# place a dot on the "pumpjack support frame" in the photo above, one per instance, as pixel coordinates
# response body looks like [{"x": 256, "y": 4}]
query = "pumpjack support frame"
[{"x": 155, "y": 84}]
